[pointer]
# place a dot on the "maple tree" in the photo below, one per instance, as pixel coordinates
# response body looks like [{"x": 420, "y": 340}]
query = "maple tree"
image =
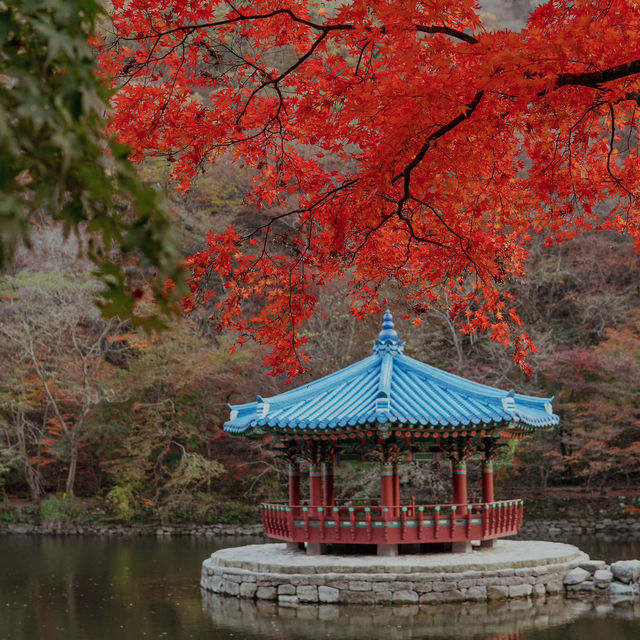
[
  {"x": 393, "y": 144},
  {"x": 598, "y": 395}
]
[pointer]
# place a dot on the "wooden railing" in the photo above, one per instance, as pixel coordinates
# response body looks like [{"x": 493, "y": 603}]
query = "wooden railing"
[{"x": 401, "y": 524}]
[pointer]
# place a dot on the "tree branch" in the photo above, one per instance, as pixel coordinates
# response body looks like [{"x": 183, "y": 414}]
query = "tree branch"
[
  {"x": 243, "y": 18},
  {"x": 43, "y": 379},
  {"x": 452, "y": 124},
  {"x": 594, "y": 79},
  {"x": 276, "y": 81},
  {"x": 448, "y": 31}
]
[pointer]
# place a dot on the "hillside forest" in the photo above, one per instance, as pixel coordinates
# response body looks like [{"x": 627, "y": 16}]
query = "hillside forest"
[{"x": 96, "y": 411}]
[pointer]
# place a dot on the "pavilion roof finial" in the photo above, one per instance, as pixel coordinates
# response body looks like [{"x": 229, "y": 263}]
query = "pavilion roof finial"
[{"x": 388, "y": 341}]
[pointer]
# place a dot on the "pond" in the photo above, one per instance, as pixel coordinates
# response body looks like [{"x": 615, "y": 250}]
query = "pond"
[{"x": 65, "y": 588}]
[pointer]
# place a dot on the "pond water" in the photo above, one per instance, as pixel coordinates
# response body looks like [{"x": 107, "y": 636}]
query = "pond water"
[{"x": 65, "y": 588}]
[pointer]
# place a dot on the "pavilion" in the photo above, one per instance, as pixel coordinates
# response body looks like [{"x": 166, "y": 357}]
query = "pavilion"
[{"x": 389, "y": 407}]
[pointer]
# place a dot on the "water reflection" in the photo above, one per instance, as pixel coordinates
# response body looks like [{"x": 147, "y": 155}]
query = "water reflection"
[
  {"x": 481, "y": 621},
  {"x": 63, "y": 588},
  {"x": 601, "y": 545},
  {"x": 607, "y": 546}
]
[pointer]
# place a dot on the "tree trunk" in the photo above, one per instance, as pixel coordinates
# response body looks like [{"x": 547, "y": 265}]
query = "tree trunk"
[
  {"x": 31, "y": 475},
  {"x": 544, "y": 477},
  {"x": 73, "y": 464}
]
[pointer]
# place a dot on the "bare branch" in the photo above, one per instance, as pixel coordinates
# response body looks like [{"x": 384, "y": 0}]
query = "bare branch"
[
  {"x": 448, "y": 31},
  {"x": 595, "y": 79}
]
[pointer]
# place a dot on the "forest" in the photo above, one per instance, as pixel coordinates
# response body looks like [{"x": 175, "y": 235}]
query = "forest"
[{"x": 100, "y": 412}]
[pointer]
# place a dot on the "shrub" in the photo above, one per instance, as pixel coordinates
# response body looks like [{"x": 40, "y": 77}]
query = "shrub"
[
  {"x": 123, "y": 503},
  {"x": 61, "y": 508}
]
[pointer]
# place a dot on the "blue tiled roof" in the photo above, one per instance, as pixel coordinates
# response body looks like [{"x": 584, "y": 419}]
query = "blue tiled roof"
[{"x": 390, "y": 388}]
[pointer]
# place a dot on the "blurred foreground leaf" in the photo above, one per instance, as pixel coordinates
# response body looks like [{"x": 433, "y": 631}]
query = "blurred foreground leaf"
[{"x": 56, "y": 162}]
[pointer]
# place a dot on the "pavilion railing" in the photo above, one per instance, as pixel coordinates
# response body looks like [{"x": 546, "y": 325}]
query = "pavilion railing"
[{"x": 403, "y": 524}]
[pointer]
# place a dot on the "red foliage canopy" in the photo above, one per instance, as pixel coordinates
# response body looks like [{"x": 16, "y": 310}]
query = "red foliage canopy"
[{"x": 404, "y": 143}]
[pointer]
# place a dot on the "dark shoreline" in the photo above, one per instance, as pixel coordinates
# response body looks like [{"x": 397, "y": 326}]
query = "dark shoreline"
[
  {"x": 531, "y": 529},
  {"x": 63, "y": 528}
]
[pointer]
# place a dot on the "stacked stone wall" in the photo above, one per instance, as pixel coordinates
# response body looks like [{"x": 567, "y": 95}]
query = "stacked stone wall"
[
  {"x": 386, "y": 588},
  {"x": 561, "y": 529},
  {"x": 337, "y": 580}
]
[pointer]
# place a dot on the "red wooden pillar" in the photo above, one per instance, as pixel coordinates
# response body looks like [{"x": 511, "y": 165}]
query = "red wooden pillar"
[
  {"x": 488, "y": 496},
  {"x": 315, "y": 500},
  {"x": 327, "y": 483},
  {"x": 487, "y": 481},
  {"x": 387, "y": 499},
  {"x": 315, "y": 485},
  {"x": 396, "y": 486},
  {"x": 294, "y": 501},
  {"x": 459, "y": 482},
  {"x": 387, "y": 485},
  {"x": 294, "y": 484}
]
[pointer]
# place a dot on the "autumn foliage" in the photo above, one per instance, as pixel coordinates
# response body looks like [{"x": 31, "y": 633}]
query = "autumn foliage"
[{"x": 393, "y": 143}]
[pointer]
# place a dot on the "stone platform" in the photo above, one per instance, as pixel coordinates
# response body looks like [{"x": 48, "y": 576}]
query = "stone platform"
[{"x": 511, "y": 569}]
